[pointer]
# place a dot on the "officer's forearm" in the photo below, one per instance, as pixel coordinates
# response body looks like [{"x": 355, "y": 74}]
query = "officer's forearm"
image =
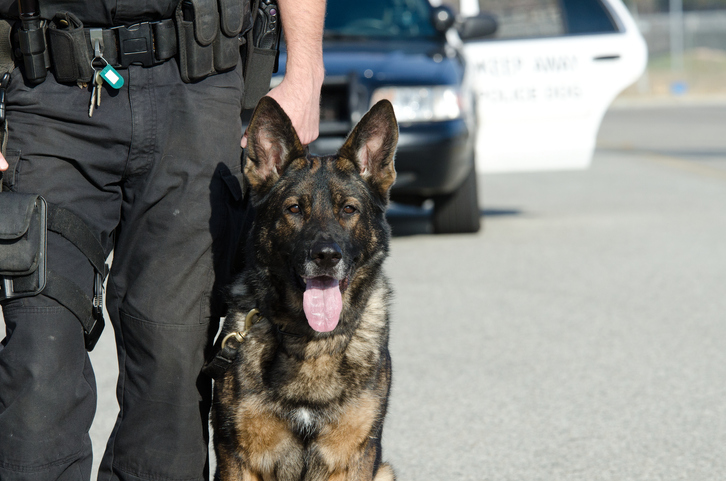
[
  {"x": 299, "y": 92},
  {"x": 303, "y": 22}
]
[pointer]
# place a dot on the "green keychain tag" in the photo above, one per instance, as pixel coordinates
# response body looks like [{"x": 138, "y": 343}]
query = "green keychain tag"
[{"x": 112, "y": 77}]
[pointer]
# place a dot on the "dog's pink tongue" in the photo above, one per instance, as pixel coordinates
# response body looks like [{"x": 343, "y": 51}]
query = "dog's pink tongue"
[{"x": 322, "y": 303}]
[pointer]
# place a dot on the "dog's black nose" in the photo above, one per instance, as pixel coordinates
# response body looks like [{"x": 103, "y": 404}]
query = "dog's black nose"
[{"x": 326, "y": 254}]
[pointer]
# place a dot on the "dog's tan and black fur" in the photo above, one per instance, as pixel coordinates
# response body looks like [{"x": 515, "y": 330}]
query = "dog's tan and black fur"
[{"x": 296, "y": 403}]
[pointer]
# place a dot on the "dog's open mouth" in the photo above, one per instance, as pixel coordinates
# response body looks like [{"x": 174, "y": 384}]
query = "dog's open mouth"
[{"x": 323, "y": 302}]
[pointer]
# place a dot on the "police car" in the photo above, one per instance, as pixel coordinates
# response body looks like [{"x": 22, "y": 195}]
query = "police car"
[
  {"x": 546, "y": 78},
  {"x": 505, "y": 85}
]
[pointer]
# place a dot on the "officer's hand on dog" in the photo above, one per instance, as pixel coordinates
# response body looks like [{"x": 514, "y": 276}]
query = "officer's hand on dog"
[
  {"x": 304, "y": 111},
  {"x": 3, "y": 163}
]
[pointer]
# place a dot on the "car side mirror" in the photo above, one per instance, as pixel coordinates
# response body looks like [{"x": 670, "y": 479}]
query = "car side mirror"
[
  {"x": 480, "y": 26},
  {"x": 442, "y": 18}
]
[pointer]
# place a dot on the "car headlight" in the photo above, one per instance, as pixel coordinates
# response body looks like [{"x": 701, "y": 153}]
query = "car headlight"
[{"x": 422, "y": 104}]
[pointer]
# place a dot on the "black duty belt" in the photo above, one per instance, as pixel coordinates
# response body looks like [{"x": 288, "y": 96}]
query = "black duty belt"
[
  {"x": 146, "y": 43},
  {"x": 72, "y": 50}
]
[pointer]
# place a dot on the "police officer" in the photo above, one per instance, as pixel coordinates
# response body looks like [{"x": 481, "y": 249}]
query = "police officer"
[{"x": 155, "y": 173}]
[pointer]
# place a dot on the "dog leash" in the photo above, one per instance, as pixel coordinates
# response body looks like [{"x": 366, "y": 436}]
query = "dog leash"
[{"x": 229, "y": 348}]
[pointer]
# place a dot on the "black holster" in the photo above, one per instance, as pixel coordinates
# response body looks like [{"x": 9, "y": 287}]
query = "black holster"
[
  {"x": 261, "y": 51},
  {"x": 25, "y": 220}
]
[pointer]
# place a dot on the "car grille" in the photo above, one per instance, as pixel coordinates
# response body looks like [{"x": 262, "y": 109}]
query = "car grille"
[
  {"x": 343, "y": 100},
  {"x": 334, "y": 109}
]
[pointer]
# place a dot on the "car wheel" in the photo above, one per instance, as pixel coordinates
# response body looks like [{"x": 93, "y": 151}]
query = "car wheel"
[{"x": 458, "y": 212}]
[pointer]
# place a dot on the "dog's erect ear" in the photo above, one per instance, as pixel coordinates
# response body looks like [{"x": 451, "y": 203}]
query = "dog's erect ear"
[
  {"x": 272, "y": 144},
  {"x": 371, "y": 147}
]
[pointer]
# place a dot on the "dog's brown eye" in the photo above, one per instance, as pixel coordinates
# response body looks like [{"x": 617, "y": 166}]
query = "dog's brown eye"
[
  {"x": 349, "y": 209},
  {"x": 294, "y": 209}
]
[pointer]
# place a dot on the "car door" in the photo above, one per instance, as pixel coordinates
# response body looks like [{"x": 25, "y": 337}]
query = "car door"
[{"x": 545, "y": 80}]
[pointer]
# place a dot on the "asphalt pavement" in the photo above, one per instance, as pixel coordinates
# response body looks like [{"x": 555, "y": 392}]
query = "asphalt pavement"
[{"x": 580, "y": 336}]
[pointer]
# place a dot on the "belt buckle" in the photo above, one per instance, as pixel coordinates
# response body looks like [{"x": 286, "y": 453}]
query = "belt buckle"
[{"x": 136, "y": 45}]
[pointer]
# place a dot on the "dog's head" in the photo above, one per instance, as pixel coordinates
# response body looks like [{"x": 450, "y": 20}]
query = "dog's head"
[{"x": 320, "y": 229}]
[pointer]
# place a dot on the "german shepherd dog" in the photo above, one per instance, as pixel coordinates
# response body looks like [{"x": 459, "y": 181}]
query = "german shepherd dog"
[{"x": 306, "y": 394}]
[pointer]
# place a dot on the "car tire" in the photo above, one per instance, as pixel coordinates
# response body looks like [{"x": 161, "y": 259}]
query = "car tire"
[{"x": 458, "y": 212}]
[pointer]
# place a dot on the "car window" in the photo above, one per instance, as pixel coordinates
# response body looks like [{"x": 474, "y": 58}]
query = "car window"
[
  {"x": 548, "y": 18},
  {"x": 525, "y": 18},
  {"x": 379, "y": 18},
  {"x": 587, "y": 16}
]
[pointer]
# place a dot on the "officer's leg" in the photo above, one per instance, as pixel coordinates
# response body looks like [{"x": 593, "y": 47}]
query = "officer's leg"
[
  {"x": 176, "y": 230},
  {"x": 47, "y": 388}
]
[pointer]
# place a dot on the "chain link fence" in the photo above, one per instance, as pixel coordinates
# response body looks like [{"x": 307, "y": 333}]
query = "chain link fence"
[{"x": 702, "y": 69}]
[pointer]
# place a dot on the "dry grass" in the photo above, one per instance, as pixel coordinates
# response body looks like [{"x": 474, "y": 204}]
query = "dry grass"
[{"x": 703, "y": 74}]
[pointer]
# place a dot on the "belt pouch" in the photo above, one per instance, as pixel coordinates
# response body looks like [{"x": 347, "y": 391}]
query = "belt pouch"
[
  {"x": 165, "y": 41},
  {"x": 69, "y": 49},
  {"x": 23, "y": 231},
  {"x": 226, "y": 53},
  {"x": 234, "y": 17},
  {"x": 197, "y": 28}
]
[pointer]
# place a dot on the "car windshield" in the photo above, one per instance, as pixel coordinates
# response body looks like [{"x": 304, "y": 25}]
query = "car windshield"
[{"x": 378, "y": 18}]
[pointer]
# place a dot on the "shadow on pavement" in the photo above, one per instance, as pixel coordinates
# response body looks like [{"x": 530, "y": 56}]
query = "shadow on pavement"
[{"x": 409, "y": 220}]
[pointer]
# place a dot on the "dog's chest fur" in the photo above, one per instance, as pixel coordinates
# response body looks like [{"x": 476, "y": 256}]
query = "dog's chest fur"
[
  {"x": 307, "y": 383},
  {"x": 291, "y": 404}
]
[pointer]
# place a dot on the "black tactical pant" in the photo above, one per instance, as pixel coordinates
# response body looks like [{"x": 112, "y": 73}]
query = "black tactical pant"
[{"x": 156, "y": 174}]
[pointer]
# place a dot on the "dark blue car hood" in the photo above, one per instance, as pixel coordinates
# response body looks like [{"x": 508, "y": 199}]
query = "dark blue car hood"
[{"x": 392, "y": 62}]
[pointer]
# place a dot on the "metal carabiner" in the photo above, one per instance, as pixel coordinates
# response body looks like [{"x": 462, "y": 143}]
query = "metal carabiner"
[{"x": 239, "y": 336}]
